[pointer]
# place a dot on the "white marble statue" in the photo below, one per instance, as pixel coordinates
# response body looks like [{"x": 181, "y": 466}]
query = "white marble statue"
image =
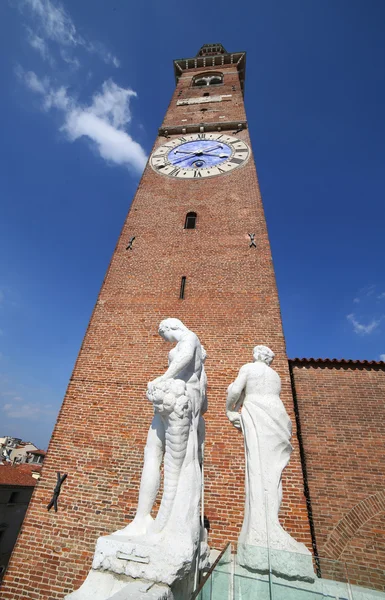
[
  {"x": 176, "y": 432},
  {"x": 165, "y": 549},
  {"x": 266, "y": 428}
]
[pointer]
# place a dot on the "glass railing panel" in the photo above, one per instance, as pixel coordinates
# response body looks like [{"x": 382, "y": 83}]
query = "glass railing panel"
[
  {"x": 205, "y": 592},
  {"x": 217, "y": 583},
  {"x": 293, "y": 576},
  {"x": 280, "y": 575},
  {"x": 332, "y": 581},
  {"x": 257, "y": 573},
  {"x": 251, "y": 582},
  {"x": 221, "y": 578},
  {"x": 366, "y": 582}
]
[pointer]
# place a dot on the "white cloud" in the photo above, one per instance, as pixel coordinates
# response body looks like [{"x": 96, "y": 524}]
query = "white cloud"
[
  {"x": 382, "y": 357},
  {"x": 31, "y": 80},
  {"x": 365, "y": 292},
  {"x": 381, "y": 296},
  {"x": 70, "y": 60},
  {"x": 29, "y": 411},
  {"x": 113, "y": 104},
  {"x": 55, "y": 24},
  {"x": 114, "y": 145},
  {"x": 57, "y": 99},
  {"x": 40, "y": 45},
  {"x": 54, "y": 21},
  {"x": 360, "y": 328},
  {"x": 104, "y": 121}
]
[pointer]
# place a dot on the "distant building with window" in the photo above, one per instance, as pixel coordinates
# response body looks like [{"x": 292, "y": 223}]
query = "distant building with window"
[
  {"x": 17, "y": 482},
  {"x": 14, "y": 450},
  {"x": 20, "y": 466}
]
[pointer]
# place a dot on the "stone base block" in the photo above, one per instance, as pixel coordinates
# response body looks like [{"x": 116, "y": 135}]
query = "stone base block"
[
  {"x": 101, "y": 585},
  {"x": 160, "y": 562},
  {"x": 286, "y": 565}
]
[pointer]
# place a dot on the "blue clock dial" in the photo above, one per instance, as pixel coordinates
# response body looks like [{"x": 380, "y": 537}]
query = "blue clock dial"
[{"x": 199, "y": 154}]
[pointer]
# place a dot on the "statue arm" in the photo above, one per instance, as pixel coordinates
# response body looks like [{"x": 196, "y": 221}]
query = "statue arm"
[
  {"x": 203, "y": 391},
  {"x": 234, "y": 397},
  {"x": 182, "y": 358}
]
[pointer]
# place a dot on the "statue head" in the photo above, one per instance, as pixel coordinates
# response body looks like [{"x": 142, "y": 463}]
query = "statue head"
[
  {"x": 263, "y": 354},
  {"x": 169, "y": 327}
]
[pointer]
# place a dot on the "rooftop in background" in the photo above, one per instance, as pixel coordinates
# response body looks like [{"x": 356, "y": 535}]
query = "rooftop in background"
[
  {"x": 337, "y": 361},
  {"x": 19, "y": 475}
]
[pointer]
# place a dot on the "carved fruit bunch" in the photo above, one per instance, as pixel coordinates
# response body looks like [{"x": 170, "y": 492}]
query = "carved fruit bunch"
[{"x": 169, "y": 397}]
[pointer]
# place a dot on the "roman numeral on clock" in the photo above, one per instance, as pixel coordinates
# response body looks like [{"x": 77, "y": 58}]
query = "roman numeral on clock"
[
  {"x": 197, "y": 174},
  {"x": 201, "y": 136},
  {"x": 174, "y": 172},
  {"x": 236, "y": 161}
]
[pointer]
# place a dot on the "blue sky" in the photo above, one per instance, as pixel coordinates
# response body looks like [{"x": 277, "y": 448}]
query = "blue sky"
[{"x": 85, "y": 86}]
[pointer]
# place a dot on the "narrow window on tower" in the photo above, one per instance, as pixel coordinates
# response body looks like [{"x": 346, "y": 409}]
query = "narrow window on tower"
[
  {"x": 191, "y": 219},
  {"x": 206, "y": 94},
  {"x": 182, "y": 287}
]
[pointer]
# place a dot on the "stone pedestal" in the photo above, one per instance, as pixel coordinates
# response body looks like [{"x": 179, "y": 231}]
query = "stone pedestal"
[
  {"x": 127, "y": 569},
  {"x": 103, "y": 585},
  {"x": 163, "y": 560},
  {"x": 286, "y": 565}
]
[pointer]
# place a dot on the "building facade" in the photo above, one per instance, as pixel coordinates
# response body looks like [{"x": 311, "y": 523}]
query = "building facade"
[
  {"x": 16, "y": 486},
  {"x": 341, "y": 410},
  {"x": 200, "y": 253}
]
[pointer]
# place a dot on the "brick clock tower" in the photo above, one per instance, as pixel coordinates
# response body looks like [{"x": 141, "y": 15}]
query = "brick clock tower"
[{"x": 201, "y": 254}]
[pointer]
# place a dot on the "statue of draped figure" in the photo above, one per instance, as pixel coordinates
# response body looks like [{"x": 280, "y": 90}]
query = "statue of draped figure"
[{"x": 267, "y": 431}]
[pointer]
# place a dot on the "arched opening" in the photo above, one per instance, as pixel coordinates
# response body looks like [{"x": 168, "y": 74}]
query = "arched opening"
[
  {"x": 209, "y": 78},
  {"x": 191, "y": 219}
]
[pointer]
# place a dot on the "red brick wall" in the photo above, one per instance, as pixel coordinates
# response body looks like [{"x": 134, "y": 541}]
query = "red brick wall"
[
  {"x": 229, "y": 110},
  {"x": 342, "y": 415},
  {"x": 231, "y": 302}
]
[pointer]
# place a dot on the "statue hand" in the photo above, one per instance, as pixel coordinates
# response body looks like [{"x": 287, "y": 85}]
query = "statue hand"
[
  {"x": 156, "y": 381},
  {"x": 234, "y": 418}
]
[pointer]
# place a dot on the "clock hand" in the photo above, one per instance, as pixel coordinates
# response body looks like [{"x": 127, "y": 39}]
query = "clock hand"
[
  {"x": 213, "y": 148},
  {"x": 218, "y": 155},
  {"x": 183, "y": 152},
  {"x": 180, "y": 159},
  {"x": 197, "y": 151}
]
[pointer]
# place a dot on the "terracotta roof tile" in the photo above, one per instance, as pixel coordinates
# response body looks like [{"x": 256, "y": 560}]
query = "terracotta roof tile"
[
  {"x": 28, "y": 467},
  {"x": 16, "y": 475},
  {"x": 343, "y": 361}
]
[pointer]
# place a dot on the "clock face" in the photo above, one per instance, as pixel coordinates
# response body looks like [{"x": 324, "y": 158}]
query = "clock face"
[{"x": 200, "y": 155}]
